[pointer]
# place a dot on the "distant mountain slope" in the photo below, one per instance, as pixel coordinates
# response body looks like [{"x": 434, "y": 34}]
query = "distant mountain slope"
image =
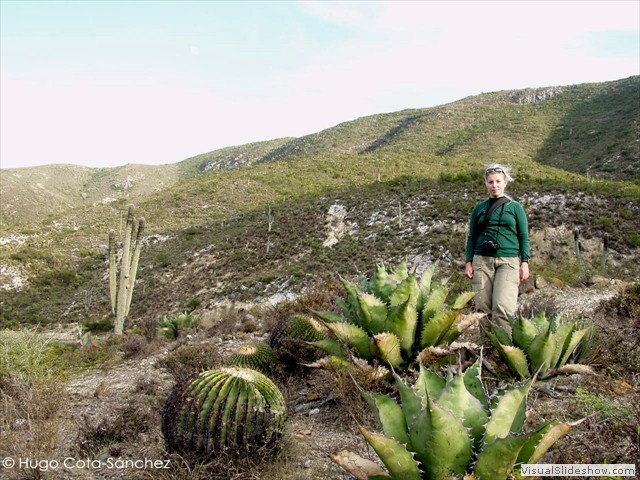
[
  {"x": 32, "y": 194},
  {"x": 589, "y": 129}
]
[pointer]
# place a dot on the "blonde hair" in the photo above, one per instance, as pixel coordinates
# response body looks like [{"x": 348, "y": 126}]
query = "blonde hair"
[{"x": 506, "y": 171}]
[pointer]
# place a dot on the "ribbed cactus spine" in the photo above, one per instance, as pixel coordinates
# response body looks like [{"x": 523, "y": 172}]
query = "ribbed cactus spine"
[
  {"x": 229, "y": 410},
  {"x": 122, "y": 293}
]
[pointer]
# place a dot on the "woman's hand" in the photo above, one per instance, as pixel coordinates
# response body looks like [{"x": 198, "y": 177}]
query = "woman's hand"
[
  {"x": 524, "y": 271},
  {"x": 468, "y": 270}
]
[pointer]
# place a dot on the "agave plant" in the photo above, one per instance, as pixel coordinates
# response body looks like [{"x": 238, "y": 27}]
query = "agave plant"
[
  {"x": 231, "y": 409},
  {"x": 540, "y": 345},
  {"x": 173, "y": 325},
  {"x": 448, "y": 428},
  {"x": 256, "y": 355},
  {"x": 394, "y": 315}
]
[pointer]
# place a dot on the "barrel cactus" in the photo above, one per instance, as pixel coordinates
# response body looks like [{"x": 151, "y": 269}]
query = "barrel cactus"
[
  {"x": 229, "y": 410},
  {"x": 298, "y": 328},
  {"x": 540, "y": 345},
  {"x": 448, "y": 428},
  {"x": 394, "y": 315},
  {"x": 256, "y": 355},
  {"x": 293, "y": 338}
]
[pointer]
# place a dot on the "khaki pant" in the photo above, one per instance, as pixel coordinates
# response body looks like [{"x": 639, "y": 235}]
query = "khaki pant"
[{"x": 496, "y": 281}]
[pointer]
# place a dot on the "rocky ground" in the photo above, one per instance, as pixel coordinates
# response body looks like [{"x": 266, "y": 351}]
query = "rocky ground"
[{"x": 114, "y": 413}]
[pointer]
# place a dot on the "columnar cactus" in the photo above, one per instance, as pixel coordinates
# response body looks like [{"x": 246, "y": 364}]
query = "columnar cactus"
[
  {"x": 229, "y": 410},
  {"x": 448, "y": 428},
  {"x": 121, "y": 294},
  {"x": 394, "y": 315},
  {"x": 540, "y": 345},
  {"x": 256, "y": 355}
]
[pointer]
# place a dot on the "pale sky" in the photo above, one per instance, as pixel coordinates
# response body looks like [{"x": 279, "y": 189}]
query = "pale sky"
[{"x": 108, "y": 83}]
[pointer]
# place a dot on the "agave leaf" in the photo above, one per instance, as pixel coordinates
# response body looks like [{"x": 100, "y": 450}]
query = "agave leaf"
[
  {"x": 462, "y": 300},
  {"x": 350, "y": 305},
  {"x": 437, "y": 328},
  {"x": 441, "y": 442},
  {"x": 398, "y": 460},
  {"x": 434, "y": 303},
  {"x": 328, "y": 317},
  {"x": 502, "y": 335},
  {"x": 543, "y": 439},
  {"x": 331, "y": 346},
  {"x": 407, "y": 290},
  {"x": 387, "y": 347},
  {"x": 563, "y": 337},
  {"x": 473, "y": 382},
  {"x": 576, "y": 338},
  {"x": 360, "y": 468},
  {"x": 330, "y": 362},
  {"x": 508, "y": 414},
  {"x": 429, "y": 383},
  {"x": 456, "y": 398},
  {"x": 354, "y": 336},
  {"x": 496, "y": 460},
  {"x": 381, "y": 284},
  {"x": 401, "y": 272},
  {"x": 541, "y": 322},
  {"x": 390, "y": 415},
  {"x": 424, "y": 284},
  {"x": 410, "y": 400},
  {"x": 554, "y": 322},
  {"x": 523, "y": 332},
  {"x": 374, "y": 312},
  {"x": 541, "y": 352},
  {"x": 515, "y": 358},
  {"x": 572, "y": 368},
  {"x": 402, "y": 321},
  {"x": 460, "y": 324}
]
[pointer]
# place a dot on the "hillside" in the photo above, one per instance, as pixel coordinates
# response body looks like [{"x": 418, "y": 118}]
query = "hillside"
[
  {"x": 403, "y": 184},
  {"x": 246, "y": 236},
  {"x": 590, "y": 129}
]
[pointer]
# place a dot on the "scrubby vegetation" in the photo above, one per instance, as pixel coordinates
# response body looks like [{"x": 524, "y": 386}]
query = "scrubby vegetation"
[{"x": 239, "y": 263}]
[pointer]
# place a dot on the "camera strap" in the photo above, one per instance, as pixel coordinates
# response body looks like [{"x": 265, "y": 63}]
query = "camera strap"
[{"x": 497, "y": 204}]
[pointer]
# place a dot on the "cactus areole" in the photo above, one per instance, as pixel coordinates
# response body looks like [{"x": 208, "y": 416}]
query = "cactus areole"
[{"x": 229, "y": 410}]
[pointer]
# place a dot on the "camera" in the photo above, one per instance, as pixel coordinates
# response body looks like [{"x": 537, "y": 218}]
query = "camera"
[{"x": 490, "y": 246}]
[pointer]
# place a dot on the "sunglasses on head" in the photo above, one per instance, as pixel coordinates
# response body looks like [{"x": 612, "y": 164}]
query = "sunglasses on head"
[{"x": 493, "y": 170}]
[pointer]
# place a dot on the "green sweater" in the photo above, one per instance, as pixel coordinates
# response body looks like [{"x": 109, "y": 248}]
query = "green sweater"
[{"x": 512, "y": 235}]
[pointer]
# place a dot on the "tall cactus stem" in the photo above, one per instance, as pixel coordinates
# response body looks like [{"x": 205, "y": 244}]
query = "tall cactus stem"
[
  {"x": 112, "y": 270},
  {"x": 139, "y": 230},
  {"x": 122, "y": 293}
]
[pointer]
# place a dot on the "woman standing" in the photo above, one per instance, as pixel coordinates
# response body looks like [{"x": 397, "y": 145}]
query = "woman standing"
[{"x": 497, "y": 248}]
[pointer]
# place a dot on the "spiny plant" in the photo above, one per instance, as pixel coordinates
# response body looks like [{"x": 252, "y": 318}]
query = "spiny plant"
[
  {"x": 121, "y": 291},
  {"x": 229, "y": 410},
  {"x": 292, "y": 339},
  {"x": 172, "y": 326},
  {"x": 541, "y": 345},
  {"x": 298, "y": 327},
  {"x": 393, "y": 316},
  {"x": 448, "y": 428},
  {"x": 256, "y": 355}
]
